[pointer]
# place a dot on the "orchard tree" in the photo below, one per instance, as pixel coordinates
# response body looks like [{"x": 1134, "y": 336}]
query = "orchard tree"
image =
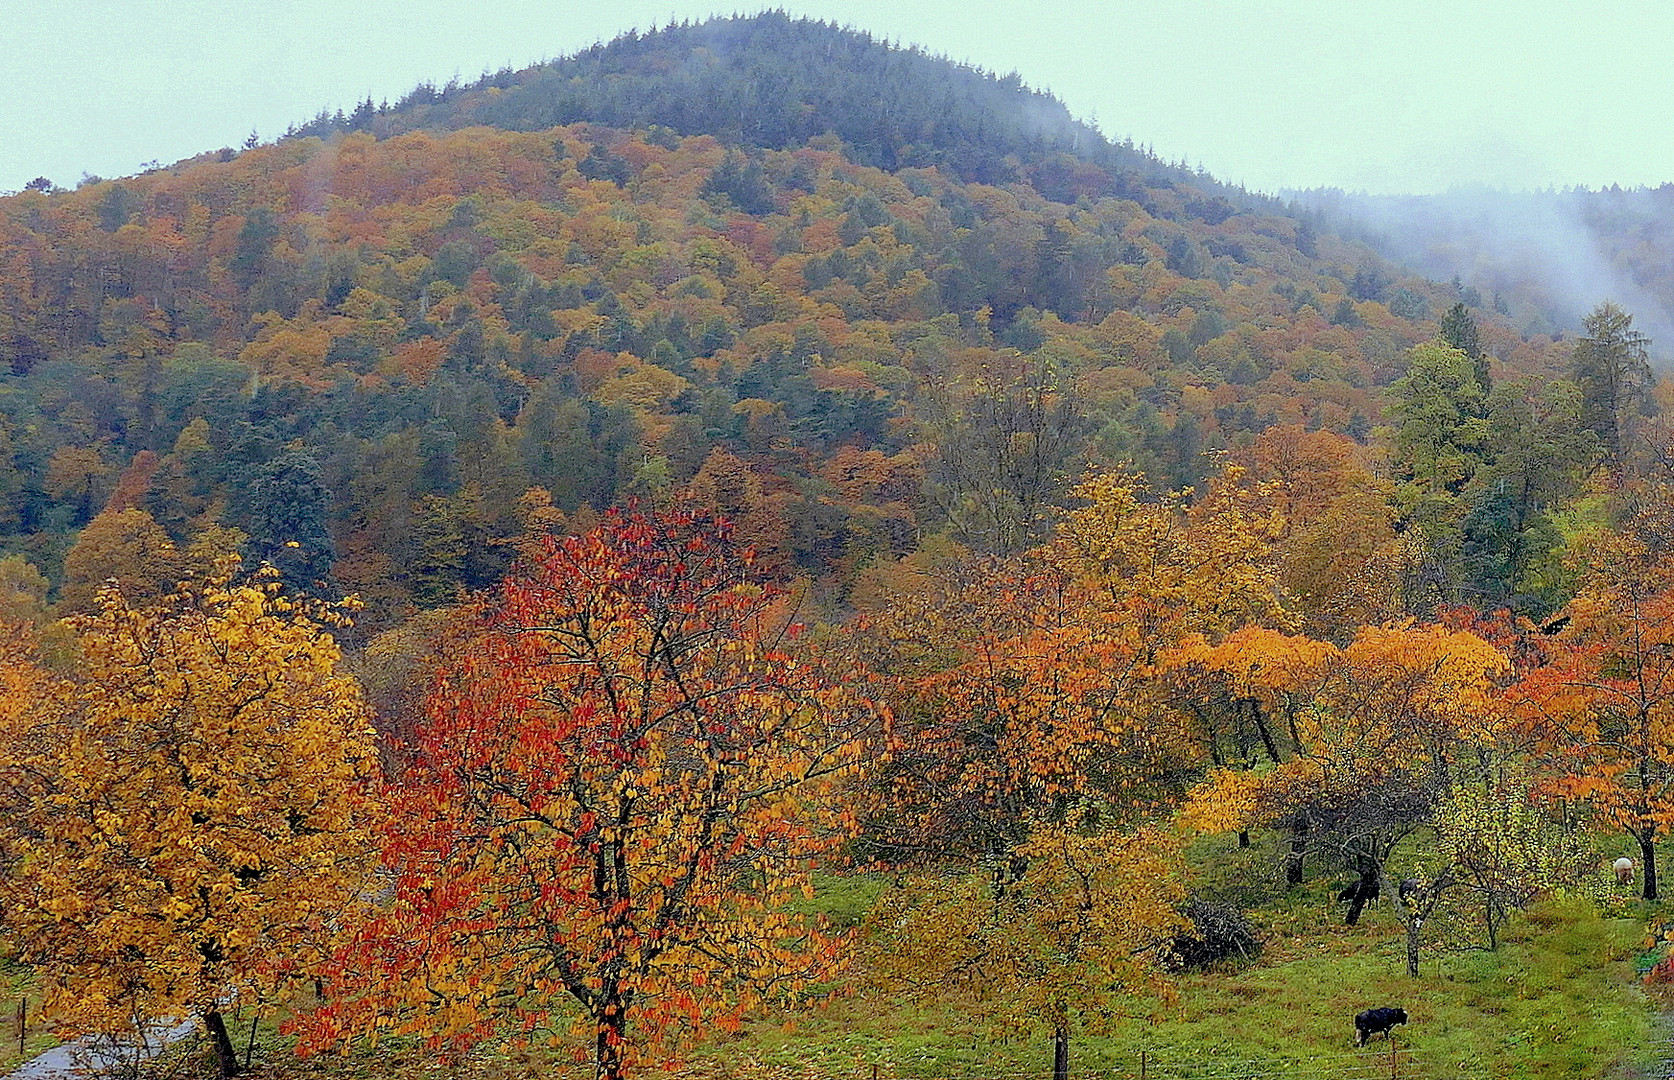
[
  {"x": 1244, "y": 692},
  {"x": 619, "y": 782},
  {"x": 1602, "y": 705},
  {"x": 1032, "y": 696},
  {"x": 1074, "y": 938},
  {"x": 189, "y": 816},
  {"x": 1502, "y": 848},
  {"x": 1387, "y": 724}
]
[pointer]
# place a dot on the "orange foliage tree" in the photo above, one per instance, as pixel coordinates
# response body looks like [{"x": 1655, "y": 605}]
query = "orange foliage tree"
[
  {"x": 1388, "y": 723},
  {"x": 1235, "y": 692},
  {"x": 1027, "y": 754},
  {"x": 1601, "y": 706},
  {"x": 617, "y": 786}
]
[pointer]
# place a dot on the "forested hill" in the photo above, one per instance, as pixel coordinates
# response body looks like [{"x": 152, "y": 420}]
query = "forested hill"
[
  {"x": 377, "y": 357},
  {"x": 771, "y": 81}
]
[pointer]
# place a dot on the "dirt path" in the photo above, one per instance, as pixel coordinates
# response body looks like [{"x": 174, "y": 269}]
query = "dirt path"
[{"x": 88, "y": 1057}]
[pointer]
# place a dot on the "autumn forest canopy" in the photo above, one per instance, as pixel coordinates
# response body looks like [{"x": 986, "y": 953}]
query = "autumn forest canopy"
[{"x": 485, "y": 570}]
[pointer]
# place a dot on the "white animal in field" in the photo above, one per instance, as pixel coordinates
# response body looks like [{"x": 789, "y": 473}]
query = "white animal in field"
[{"x": 1624, "y": 870}]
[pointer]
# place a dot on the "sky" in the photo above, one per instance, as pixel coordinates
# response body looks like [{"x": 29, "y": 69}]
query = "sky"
[{"x": 1385, "y": 96}]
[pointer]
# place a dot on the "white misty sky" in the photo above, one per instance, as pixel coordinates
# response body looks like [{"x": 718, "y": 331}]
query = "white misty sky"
[{"x": 1381, "y": 95}]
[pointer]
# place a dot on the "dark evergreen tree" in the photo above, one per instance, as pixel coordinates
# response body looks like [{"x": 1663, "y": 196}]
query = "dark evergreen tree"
[
  {"x": 742, "y": 180},
  {"x": 117, "y": 207},
  {"x": 1368, "y": 283},
  {"x": 1459, "y": 330},
  {"x": 601, "y": 164},
  {"x": 255, "y": 244},
  {"x": 1613, "y": 370},
  {"x": 286, "y": 513}
]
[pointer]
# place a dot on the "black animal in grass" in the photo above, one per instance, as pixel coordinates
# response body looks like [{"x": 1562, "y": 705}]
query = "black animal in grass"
[
  {"x": 1359, "y": 888},
  {"x": 1372, "y": 1021}
]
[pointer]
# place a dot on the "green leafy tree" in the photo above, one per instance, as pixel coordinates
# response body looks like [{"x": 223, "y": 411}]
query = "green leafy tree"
[
  {"x": 1503, "y": 849},
  {"x": 1613, "y": 369},
  {"x": 1440, "y": 443}
]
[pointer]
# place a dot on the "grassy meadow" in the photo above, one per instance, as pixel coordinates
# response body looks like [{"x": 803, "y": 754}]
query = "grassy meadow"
[{"x": 1560, "y": 998}]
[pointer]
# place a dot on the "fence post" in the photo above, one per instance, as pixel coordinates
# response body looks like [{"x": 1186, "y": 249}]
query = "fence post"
[
  {"x": 1142, "y": 1064},
  {"x": 874, "y": 1070},
  {"x": 1392, "y": 1075},
  {"x": 22, "y": 1021}
]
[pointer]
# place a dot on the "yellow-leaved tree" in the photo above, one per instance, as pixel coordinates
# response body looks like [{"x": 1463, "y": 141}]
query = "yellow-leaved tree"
[
  {"x": 1075, "y": 937},
  {"x": 196, "y": 810}
]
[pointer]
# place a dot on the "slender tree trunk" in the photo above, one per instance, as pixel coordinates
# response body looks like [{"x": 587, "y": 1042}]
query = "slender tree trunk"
[
  {"x": 1243, "y": 839},
  {"x": 1414, "y": 924},
  {"x": 1266, "y": 735},
  {"x": 226, "y": 1058},
  {"x": 1060, "y": 1050},
  {"x": 1212, "y": 734},
  {"x": 1298, "y": 848},
  {"x": 1648, "y": 855}
]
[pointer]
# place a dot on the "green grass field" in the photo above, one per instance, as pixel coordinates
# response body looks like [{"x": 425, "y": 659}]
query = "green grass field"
[
  {"x": 17, "y": 986},
  {"x": 1560, "y": 998}
]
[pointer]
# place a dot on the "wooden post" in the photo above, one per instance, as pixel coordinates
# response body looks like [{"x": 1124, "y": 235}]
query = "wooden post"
[
  {"x": 250, "y": 1050},
  {"x": 22, "y": 1021},
  {"x": 1392, "y": 1075},
  {"x": 1142, "y": 1065},
  {"x": 874, "y": 1070}
]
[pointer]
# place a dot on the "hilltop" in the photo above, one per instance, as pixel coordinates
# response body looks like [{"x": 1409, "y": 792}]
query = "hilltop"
[
  {"x": 770, "y": 81},
  {"x": 855, "y": 295}
]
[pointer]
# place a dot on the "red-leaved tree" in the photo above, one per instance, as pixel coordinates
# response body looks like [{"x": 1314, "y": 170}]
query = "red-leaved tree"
[{"x": 619, "y": 785}]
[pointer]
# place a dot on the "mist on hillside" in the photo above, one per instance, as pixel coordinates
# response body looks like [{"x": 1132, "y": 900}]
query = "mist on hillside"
[{"x": 1544, "y": 259}]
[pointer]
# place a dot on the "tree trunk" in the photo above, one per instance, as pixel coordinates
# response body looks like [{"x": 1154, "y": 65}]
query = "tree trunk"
[
  {"x": 1244, "y": 838},
  {"x": 1060, "y": 1050},
  {"x": 1212, "y": 734},
  {"x": 1365, "y": 890},
  {"x": 1298, "y": 848},
  {"x": 226, "y": 1058},
  {"x": 611, "y": 1040},
  {"x": 1648, "y": 855},
  {"x": 1266, "y": 735},
  {"x": 1414, "y": 924}
]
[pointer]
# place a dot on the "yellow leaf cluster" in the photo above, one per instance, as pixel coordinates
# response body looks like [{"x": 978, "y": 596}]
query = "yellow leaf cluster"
[{"x": 198, "y": 817}]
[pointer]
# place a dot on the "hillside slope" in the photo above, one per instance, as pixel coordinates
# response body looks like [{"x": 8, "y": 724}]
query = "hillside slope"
[{"x": 383, "y": 344}]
